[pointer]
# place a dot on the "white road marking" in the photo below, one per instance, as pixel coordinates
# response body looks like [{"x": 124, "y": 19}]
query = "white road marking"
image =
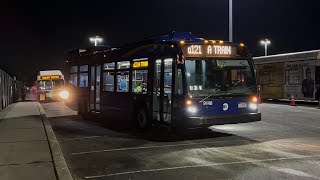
[
  {"x": 149, "y": 147},
  {"x": 196, "y": 166},
  {"x": 87, "y": 137}
]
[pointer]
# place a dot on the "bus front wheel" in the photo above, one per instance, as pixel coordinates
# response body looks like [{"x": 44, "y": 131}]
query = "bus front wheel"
[{"x": 142, "y": 119}]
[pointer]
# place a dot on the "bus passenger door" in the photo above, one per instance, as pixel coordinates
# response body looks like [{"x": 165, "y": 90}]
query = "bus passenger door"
[
  {"x": 163, "y": 90},
  {"x": 98, "y": 77},
  {"x": 92, "y": 87},
  {"x": 95, "y": 88}
]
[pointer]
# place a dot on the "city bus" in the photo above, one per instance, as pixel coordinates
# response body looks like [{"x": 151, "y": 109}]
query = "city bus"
[
  {"x": 291, "y": 75},
  {"x": 177, "y": 80},
  {"x": 51, "y": 86}
]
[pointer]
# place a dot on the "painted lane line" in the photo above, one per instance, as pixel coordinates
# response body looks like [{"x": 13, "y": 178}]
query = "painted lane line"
[
  {"x": 87, "y": 137},
  {"x": 197, "y": 166},
  {"x": 150, "y": 147}
]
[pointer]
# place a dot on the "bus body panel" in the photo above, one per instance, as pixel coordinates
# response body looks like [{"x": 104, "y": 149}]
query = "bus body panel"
[
  {"x": 163, "y": 101},
  {"x": 223, "y": 106}
]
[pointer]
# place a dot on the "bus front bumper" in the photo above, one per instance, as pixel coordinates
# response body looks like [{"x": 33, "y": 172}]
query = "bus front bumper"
[{"x": 206, "y": 121}]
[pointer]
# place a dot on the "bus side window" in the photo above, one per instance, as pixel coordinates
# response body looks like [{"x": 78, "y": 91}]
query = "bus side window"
[
  {"x": 83, "y": 76},
  {"x": 108, "y": 80},
  {"x": 73, "y": 75},
  {"x": 108, "y": 76},
  {"x": 123, "y": 76},
  {"x": 139, "y": 81},
  {"x": 123, "y": 81}
]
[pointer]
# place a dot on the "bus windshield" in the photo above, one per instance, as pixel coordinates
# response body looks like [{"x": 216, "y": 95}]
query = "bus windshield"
[
  {"x": 51, "y": 84},
  {"x": 210, "y": 77}
]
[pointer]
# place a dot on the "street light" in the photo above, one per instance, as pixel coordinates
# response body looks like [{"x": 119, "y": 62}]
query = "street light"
[
  {"x": 230, "y": 21},
  {"x": 266, "y": 43},
  {"x": 96, "y": 40}
]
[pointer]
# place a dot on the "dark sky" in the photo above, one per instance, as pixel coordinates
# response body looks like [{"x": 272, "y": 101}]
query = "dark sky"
[{"x": 34, "y": 36}]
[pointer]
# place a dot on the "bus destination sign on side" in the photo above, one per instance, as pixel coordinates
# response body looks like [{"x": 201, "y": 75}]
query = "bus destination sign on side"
[
  {"x": 50, "y": 77},
  {"x": 209, "y": 50}
]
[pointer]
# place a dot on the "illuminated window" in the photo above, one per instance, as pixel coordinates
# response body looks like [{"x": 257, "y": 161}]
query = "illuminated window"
[
  {"x": 123, "y": 81},
  {"x": 109, "y": 66},
  {"x": 84, "y": 68},
  {"x": 123, "y": 65},
  {"x": 108, "y": 81},
  {"x": 73, "y": 79},
  {"x": 73, "y": 69},
  {"x": 139, "y": 81},
  {"x": 83, "y": 80}
]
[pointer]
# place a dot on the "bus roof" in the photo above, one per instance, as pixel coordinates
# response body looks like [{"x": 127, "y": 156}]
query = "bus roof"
[
  {"x": 288, "y": 57},
  {"x": 50, "y": 72},
  {"x": 174, "y": 38}
]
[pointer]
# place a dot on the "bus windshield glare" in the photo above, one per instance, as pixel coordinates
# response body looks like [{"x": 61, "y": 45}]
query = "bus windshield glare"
[{"x": 211, "y": 77}]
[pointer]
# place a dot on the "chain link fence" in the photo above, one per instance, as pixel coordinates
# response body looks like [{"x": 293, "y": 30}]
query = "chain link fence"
[{"x": 10, "y": 90}]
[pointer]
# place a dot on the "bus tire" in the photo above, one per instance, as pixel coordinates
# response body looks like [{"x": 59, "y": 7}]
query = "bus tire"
[{"x": 142, "y": 119}]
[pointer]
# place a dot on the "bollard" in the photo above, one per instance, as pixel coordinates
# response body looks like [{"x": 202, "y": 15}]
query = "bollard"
[
  {"x": 319, "y": 103},
  {"x": 292, "y": 102}
]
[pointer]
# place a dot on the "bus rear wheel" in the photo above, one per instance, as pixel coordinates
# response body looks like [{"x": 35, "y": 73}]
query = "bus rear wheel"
[{"x": 142, "y": 119}]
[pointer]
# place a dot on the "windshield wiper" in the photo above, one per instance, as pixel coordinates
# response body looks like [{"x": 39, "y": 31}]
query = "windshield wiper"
[{"x": 215, "y": 91}]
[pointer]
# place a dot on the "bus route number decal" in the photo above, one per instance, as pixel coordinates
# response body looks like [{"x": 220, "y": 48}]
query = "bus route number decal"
[{"x": 195, "y": 49}]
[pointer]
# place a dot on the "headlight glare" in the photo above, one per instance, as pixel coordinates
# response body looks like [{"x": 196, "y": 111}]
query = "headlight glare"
[
  {"x": 253, "y": 106},
  {"x": 192, "y": 109},
  {"x": 64, "y": 94}
]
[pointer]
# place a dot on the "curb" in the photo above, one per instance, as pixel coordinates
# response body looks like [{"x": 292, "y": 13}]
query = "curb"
[{"x": 59, "y": 162}]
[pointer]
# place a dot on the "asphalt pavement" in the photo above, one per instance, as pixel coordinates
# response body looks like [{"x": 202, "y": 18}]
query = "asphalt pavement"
[{"x": 284, "y": 145}]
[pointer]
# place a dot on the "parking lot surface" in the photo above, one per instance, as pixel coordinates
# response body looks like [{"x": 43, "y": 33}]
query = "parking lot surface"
[{"x": 284, "y": 145}]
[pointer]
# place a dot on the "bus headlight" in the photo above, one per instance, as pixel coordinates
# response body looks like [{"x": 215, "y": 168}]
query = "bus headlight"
[
  {"x": 64, "y": 94},
  {"x": 253, "y": 106},
  {"x": 192, "y": 109}
]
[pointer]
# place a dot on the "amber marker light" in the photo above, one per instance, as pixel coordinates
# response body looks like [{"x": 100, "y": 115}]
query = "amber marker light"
[
  {"x": 188, "y": 102},
  {"x": 254, "y": 99}
]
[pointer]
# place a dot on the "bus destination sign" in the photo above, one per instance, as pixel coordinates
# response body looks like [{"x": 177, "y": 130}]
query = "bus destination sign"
[
  {"x": 210, "y": 50},
  {"x": 50, "y": 77}
]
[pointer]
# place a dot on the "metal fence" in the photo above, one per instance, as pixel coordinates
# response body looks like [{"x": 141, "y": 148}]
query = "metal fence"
[{"x": 10, "y": 90}]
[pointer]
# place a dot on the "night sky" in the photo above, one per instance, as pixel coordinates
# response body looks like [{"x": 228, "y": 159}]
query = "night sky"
[{"x": 34, "y": 36}]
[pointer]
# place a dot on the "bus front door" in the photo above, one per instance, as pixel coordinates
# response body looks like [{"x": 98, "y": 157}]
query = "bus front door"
[
  {"x": 163, "y": 91},
  {"x": 95, "y": 88}
]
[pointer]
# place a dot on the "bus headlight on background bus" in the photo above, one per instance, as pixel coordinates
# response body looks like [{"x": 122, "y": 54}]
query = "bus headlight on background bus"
[
  {"x": 253, "y": 106},
  {"x": 64, "y": 94},
  {"x": 192, "y": 109}
]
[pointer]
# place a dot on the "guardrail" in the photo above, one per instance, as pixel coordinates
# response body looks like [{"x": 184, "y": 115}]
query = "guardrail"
[{"x": 10, "y": 90}]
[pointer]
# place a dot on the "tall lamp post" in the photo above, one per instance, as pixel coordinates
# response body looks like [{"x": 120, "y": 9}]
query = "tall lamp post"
[
  {"x": 96, "y": 40},
  {"x": 266, "y": 43},
  {"x": 230, "y": 21}
]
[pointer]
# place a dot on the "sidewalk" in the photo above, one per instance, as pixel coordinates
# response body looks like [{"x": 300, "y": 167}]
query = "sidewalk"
[{"x": 25, "y": 151}]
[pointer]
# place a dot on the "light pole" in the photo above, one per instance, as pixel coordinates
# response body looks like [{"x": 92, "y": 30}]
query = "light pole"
[
  {"x": 96, "y": 40},
  {"x": 266, "y": 43},
  {"x": 230, "y": 21}
]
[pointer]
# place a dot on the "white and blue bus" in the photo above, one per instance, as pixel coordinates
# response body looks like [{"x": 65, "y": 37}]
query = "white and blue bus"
[{"x": 177, "y": 80}]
